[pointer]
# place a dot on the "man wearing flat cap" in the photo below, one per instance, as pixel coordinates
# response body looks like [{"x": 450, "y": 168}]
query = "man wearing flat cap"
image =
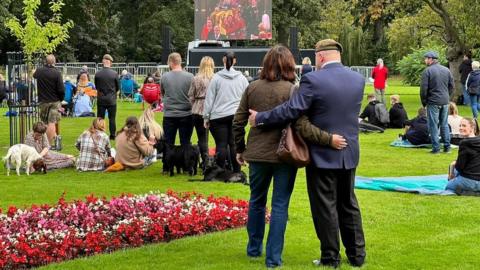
[
  {"x": 435, "y": 91},
  {"x": 331, "y": 97},
  {"x": 106, "y": 81}
]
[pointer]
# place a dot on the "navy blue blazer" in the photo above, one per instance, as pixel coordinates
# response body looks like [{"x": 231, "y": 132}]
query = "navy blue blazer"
[{"x": 331, "y": 98}]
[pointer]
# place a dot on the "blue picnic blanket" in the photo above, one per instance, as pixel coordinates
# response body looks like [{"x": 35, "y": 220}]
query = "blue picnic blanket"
[
  {"x": 407, "y": 144},
  {"x": 427, "y": 185}
]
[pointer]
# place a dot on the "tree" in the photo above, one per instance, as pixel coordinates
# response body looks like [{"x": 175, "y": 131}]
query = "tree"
[
  {"x": 35, "y": 37},
  {"x": 456, "y": 46}
]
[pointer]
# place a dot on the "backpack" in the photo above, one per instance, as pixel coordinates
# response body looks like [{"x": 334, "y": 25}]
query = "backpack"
[{"x": 381, "y": 113}]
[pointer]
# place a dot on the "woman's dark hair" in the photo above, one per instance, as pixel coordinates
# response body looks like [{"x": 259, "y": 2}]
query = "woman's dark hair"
[
  {"x": 132, "y": 128},
  {"x": 39, "y": 127},
  {"x": 278, "y": 64},
  {"x": 229, "y": 57},
  {"x": 149, "y": 77}
]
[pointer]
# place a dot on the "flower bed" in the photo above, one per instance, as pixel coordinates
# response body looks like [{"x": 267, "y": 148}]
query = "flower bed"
[{"x": 46, "y": 234}]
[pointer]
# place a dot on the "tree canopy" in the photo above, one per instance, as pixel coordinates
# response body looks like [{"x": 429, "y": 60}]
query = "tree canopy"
[{"x": 131, "y": 30}]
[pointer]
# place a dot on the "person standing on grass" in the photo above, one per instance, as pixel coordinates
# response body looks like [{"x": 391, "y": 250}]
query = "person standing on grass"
[
  {"x": 196, "y": 94},
  {"x": 464, "y": 69},
  {"x": 106, "y": 81},
  {"x": 473, "y": 88},
  {"x": 51, "y": 92},
  {"x": 380, "y": 75},
  {"x": 177, "y": 108},
  {"x": 276, "y": 82},
  {"x": 331, "y": 97},
  {"x": 221, "y": 102},
  {"x": 435, "y": 91}
]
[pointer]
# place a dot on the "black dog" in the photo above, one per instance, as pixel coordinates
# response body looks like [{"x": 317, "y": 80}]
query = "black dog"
[
  {"x": 183, "y": 158},
  {"x": 213, "y": 172}
]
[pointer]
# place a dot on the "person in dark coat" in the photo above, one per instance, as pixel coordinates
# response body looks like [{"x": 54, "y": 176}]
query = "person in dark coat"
[
  {"x": 397, "y": 113},
  {"x": 3, "y": 89},
  {"x": 107, "y": 83},
  {"x": 331, "y": 97},
  {"x": 435, "y": 91},
  {"x": 368, "y": 114},
  {"x": 416, "y": 130},
  {"x": 473, "y": 88},
  {"x": 465, "y": 69}
]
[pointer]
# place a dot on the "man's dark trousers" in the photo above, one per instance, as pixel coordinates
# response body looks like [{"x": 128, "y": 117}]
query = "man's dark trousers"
[
  {"x": 112, "y": 112},
  {"x": 334, "y": 207},
  {"x": 184, "y": 125}
]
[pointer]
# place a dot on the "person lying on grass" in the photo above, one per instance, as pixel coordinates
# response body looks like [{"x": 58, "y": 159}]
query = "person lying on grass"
[{"x": 466, "y": 173}]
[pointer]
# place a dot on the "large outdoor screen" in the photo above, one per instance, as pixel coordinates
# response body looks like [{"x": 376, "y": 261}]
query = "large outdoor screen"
[{"x": 233, "y": 19}]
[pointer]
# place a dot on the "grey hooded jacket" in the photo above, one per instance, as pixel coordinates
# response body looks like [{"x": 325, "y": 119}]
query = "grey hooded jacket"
[{"x": 224, "y": 93}]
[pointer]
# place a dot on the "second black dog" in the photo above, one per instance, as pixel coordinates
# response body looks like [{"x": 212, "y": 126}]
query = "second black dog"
[
  {"x": 183, "y": 158},
  {"x": 213, "y": 172}
]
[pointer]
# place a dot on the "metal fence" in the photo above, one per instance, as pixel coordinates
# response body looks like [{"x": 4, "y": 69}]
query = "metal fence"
[
  {"x": 140, "y": 70},
  {"x": 22, "y": 96},
  {"x": 21, "y": 119}
]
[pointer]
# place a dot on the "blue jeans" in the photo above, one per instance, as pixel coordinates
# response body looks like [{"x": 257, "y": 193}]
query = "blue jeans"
[
  {"x": 474, "y": 104},
  {"x": 466, "y": 95},
  {"x": 463, "y": 183},
  {"x": 261, "y": 174},
  {"x": 437, "y": 116}
]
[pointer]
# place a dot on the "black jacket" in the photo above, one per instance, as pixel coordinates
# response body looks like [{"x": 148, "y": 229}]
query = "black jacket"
[
  {"x": 468, "y": 160},
  {"x": 107, "y": 84},
  {"x": 418, "y": 132},
  {"x": 369, "y": 112},
  {"x": 50, "y": 84},
  {"x": 3, "y": 90},
  {"x": 473, "y": 82},
  {"x": 398, "y": 116},
  {"x": 465, "y": 69},
  {"x": 437, "y": 85}
]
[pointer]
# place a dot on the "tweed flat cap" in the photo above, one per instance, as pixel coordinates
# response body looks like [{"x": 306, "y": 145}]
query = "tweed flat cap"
[
  {"x": 108, "y": 57},
  {"x": 327, "y": 45},
  {"x": 431, "y": 54}
]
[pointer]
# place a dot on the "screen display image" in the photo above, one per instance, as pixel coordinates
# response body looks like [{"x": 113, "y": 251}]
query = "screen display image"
[{"x": 233, "y": 19}]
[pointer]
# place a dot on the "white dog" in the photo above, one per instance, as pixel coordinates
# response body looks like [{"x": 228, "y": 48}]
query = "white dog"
[{"x": 22, "y": 152}]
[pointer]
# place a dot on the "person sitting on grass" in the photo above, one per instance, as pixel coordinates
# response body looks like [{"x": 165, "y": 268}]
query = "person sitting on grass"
[
  {"x": 134, "y": 151},
  {"x": 38, "y": 140},
  {"x": 454, "y": 121},
  {"x": 152, "y": 130},
  {"x": 369, "y": 112},
  {"x": 466, "y": 173},
  {"x": 94, "y": 147},
  {"x": 416, "y": 130},
  {"x": 397, "y": 113}
]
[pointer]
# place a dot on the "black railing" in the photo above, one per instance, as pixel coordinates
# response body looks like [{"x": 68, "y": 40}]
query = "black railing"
[
  {"x": 22, "y": 97},
  {"x": 21, "y": 120}
]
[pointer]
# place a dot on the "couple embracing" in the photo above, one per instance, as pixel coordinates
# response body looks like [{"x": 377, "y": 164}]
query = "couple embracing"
[{"x": 329, "y": 98}]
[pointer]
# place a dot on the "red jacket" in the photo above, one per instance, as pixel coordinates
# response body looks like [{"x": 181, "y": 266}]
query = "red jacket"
[{"x": 380, "y": 75}]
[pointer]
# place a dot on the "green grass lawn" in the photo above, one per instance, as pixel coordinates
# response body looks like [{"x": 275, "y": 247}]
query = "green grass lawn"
[{"x": 403, "y": 231}]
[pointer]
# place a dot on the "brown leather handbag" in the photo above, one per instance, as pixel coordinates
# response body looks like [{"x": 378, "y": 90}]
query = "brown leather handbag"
[{"x": 292, "y": 149}]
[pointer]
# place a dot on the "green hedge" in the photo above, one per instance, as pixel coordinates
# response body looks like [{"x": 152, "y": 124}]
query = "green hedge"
[{"x": 411, "y": 66}]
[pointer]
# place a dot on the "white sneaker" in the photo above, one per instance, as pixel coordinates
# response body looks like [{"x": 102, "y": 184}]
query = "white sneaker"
[{"x": 154, "y": 159}]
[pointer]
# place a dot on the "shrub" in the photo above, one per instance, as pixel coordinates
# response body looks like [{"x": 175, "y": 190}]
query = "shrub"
[{"x": 411, "y": 66}]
